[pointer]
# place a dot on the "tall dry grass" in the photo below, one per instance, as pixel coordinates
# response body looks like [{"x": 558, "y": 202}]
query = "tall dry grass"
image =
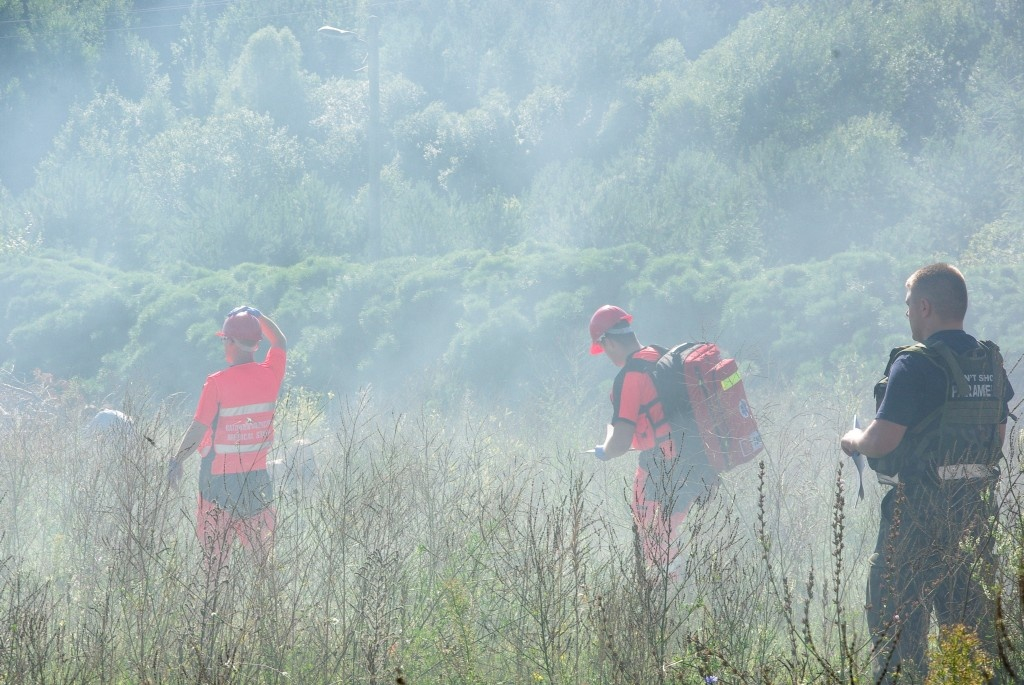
[{"x": 456, "y": 548}]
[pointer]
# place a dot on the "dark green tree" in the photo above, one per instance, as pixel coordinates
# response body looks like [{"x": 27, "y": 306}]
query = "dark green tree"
[{"x": 267, "y": 78}]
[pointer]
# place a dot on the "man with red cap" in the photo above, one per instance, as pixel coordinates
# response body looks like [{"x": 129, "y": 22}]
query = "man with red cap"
[
  {"x": 673, "y": 469},
  {"x": 233, "y": 431}
]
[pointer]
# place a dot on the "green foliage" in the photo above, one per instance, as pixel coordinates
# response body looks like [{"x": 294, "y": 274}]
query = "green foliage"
[
  {"x": 104, "y": 217},
  {"x": 559, "y": 206},
  {"x": 700, "y": 205},
  {"x": 496, "y": 221},
  {"x": 17, "y": 231},
  {"x": 87, "y": 197},
  {"x": 834, "y": 193},
  {"x": 327, "y": 317},
  {"x": 969, "y": 171},
  {"x": 989, "y": 316},
  {"x": 339, "y": 121},
  {"x": 806, "y": 317},
  {"x": 243, "y": 152},
  {"x": 760, "y": 174},
  {"x": 109, "y": 130},
  {"x": 680, "y": 296},
  {"x": 196, "y": 59},
  {"x": 475, "y": 151},
  {"x": 62, "y": 316},
  {"x": 959, "y": 658},
  {"x": 131, "y": 64},
  {"x": 540, "y": 116},
  {"x": 672, "y": 158},
  {"x": 245, "y": 174},
  {"x": 267, "y": 79},
  {"x": 49, "y": 56},
  {"x": 999, "y": 243},
  {"x": 489, "y": 354},
  {"x": 793, "y": 72},
  {"x": 419, "y": 220}
]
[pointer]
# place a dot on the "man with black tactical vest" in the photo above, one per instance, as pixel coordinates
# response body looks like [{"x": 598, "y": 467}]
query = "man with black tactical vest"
[
  {"x": 937, "y": 440},
  {"x": 673, "y": 469}
]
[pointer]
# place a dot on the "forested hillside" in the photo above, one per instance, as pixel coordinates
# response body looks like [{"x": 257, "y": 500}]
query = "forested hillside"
[
  {"x": 431, "y": 197},
  {"x": 764, "y": 174}
]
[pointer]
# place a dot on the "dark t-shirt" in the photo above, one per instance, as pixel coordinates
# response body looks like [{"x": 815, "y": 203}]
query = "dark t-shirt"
[{"x": 917, "y": 387}]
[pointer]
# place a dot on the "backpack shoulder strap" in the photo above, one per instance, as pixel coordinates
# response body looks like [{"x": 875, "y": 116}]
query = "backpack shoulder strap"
[
  {"x": 994, "y": 350},
  {"x": 940, "y": 354},
  {"x": 917, "y": 348},
  {"x": 633, "y": 364},
  {"x": 644, "y": 365},
  {"x": 955, "y": 372},
  {"x": 684, "y": 347}
]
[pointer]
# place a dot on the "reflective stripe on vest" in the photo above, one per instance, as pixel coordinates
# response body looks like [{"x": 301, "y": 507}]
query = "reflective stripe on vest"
[
  {"x": 223, "y": 449},
  {"x": 243, "y": 437},
  {"x": 248, "y": 409},
  {"x": 962, "y": 471},
  {"x": 950, "y": 472}
]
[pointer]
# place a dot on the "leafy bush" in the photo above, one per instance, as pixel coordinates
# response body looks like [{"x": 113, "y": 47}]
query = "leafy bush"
[
  {"x": 63, "y": 315},
  {"x": 805, "y": 317}
]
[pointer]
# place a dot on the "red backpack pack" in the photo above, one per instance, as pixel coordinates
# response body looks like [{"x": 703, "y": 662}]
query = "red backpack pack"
[{"x": 694, "y": 377}]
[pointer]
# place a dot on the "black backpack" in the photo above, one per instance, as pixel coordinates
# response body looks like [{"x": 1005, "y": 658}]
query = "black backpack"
[
  {"x": 702, "y": 395},
  {"x": 669, "y": 380}
]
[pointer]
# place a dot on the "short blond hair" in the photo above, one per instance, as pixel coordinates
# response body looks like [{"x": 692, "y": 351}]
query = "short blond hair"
[{"x": 944, "y": 286}]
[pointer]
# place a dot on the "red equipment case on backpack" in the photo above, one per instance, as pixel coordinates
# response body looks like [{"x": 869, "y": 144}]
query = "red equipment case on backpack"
[{"x": 726, "y": 424}]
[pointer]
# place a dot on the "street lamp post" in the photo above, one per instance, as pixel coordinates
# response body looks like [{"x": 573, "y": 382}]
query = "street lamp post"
[{"x": 372, "y": 125}]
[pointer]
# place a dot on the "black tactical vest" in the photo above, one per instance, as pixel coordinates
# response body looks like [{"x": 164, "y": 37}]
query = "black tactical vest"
[{"x": 964, "y": 429}]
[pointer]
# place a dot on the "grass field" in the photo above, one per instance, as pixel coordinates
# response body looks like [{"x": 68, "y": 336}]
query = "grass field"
[{"x": 441, "y": 549}]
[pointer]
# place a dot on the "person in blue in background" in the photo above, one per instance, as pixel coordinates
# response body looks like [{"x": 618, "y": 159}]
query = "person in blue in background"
[{"x": 937, "y": 440}]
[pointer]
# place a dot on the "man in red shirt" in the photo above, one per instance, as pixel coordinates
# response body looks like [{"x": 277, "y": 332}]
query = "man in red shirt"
[
  {"x": 233, "y": 431},
  {"x": 673, "y": 470}
]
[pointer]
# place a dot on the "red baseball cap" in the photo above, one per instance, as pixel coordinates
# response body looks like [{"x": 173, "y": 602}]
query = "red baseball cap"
[
  {"x": 603, "y": 320},
  {"x": 243, "y": 327}
]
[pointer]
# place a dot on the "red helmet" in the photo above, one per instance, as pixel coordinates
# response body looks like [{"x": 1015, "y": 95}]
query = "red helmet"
[
  {"x": 243, "y": 327},
  {"x": 603, "y": 320}
]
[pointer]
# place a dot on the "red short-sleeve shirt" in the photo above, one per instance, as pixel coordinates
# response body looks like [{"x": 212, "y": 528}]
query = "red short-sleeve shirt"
[{"x": 637, "y": 401}]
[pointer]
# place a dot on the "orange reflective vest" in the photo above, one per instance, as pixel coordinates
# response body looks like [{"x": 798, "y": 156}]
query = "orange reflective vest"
[{"x": 238, "y": 404}]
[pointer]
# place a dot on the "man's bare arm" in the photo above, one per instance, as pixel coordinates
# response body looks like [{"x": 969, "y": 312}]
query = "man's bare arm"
[
  {"x": 877, "y": 440},
  {"x": 620, "y": 441},
  {"x": 189, "y": 442},
  {"x": 272, "y": 333}
]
